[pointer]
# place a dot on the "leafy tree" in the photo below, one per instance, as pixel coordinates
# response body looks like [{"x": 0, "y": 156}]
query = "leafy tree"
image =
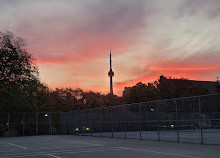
[
  {"x": 92, "y": 100},
  {"x": 43, "y": 97},
  {"x": 67, "y": 99},
  {"x": 16, "y": 65},
  {"x": 112, "y": 100},
  {"x": 18, "y": 75},
  {"x": 141, "y": 93},
  {"x": 175, "y": 88}
]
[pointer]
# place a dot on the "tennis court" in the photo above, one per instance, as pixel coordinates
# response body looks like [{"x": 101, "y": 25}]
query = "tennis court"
[{"x": 69, "y": 146}]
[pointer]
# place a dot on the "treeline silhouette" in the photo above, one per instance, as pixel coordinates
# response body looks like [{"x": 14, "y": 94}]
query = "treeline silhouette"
[{"x": 22, "y": 91}]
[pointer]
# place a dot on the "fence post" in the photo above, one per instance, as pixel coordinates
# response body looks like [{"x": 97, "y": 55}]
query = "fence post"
[
  {"x": 158, "y": 124},
  {"x": 36, "y": 123},
  {"x": 200, "y": 120},
  {"x": 23, "y": 123},
  {"x": 139, "y": 117},
  {"x": 124, "y": 122},
  {"x": 8, "y": 121},
  {"x": 147, "y": 120},
  {"x": 91, "y": 122},
  {"x": 111, "y": 122},
  {"x": 177, "y": 122},
  {"x": 75, "y": 123},
  {"x": 49, "y": 122},
  {"x": 101, "y": 121}
]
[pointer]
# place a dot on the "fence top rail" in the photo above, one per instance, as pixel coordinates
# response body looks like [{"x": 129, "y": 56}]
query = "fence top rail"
[
  {"x": 116, "y": 106},
  {"x": 154, "y": 101},
  {"x": 30, "y": 112}
]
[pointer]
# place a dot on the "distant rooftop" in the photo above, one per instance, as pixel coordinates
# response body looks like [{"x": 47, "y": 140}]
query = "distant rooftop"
[{"x": 211, "y": 86}]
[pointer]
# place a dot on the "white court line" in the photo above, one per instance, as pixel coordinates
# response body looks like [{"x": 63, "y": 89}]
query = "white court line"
[
  {"x": 81, "y": 142},
  {"x": 158, "y": 152},
  {"x": 17, "y": 146},
  {"x": 38, "y": 149},
  {"x": 53, "y": 156},
  {"x": 54, "y": 152},
  {"x": 97, "y": 150},
  {"x": 9, "y": 150},
  {"x": 89, "y": 151},
  {"x": 43, "y": 148},
  {"x": 69, "y": 152}
]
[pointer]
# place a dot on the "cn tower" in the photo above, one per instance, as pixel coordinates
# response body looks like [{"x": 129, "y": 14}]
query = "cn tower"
[{"x": 111, "y": 74}]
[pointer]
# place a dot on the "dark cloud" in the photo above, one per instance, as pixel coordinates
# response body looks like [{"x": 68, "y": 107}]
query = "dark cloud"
[
  {"x": 116, "y": 17},
  {"x": 73, "y": 27},
  {"x": 206, "y": 8}
]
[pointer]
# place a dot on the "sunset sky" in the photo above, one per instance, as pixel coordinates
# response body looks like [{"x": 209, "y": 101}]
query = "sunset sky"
[{"x": 70, "y": 39}]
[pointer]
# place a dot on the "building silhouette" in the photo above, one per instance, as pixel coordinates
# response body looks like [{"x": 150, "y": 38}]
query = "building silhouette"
[
  {"x": 212, "y": 87},
  {"x": 111, "y": 74}
]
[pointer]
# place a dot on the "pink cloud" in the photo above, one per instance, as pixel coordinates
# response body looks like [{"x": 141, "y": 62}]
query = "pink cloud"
[{"x": 74, "y": 37}]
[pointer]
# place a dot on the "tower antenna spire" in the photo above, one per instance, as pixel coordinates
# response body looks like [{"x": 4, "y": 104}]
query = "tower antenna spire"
[
  {"x": 110, "y": 58},
  {"x": 111, "y": 73}
]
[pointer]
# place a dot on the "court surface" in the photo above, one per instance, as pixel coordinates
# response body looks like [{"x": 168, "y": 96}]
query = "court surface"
[{"x": 69, "y": 146}]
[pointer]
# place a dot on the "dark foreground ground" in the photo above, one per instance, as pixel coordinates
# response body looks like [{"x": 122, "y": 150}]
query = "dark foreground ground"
[{"x": 68, "y": 146}]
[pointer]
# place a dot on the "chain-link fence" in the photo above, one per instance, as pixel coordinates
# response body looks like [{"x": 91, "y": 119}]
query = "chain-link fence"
[
  {"x": 33, "y": 123},
  {"x": 190, "y": 119}
]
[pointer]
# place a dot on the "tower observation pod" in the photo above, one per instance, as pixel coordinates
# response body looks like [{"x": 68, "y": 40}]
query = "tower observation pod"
[{"x": 111, "y": 74}]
